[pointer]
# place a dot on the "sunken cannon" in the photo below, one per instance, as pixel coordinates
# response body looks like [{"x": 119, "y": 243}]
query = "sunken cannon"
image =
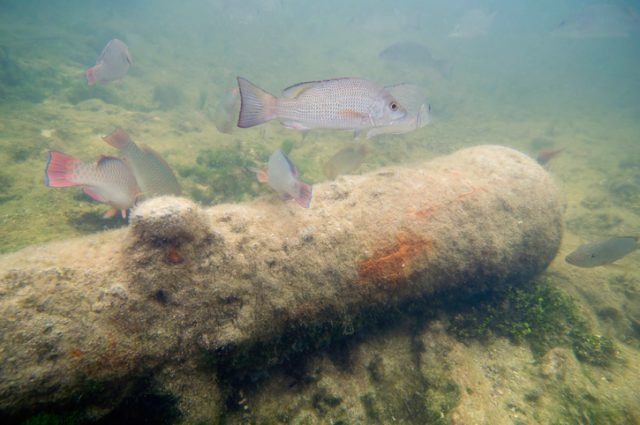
[{"x": 83, "y": 318}]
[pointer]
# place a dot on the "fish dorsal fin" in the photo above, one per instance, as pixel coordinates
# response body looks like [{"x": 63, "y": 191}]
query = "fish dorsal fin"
[
  {"x": 119, "y": 139},
  {"x": 103, "y": 159},
  {"x": 146, "y": 149},
  {"x": 292, "y": 167},
  {"x": 296, "y": 90}
]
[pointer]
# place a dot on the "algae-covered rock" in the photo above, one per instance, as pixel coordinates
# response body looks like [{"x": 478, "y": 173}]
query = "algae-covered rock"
[{"x": 235, "y": 289}]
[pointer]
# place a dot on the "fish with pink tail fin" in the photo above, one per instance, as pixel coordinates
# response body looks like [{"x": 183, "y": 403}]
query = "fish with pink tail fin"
[
  {"x": 109, "y": 180},
  {"x": 112, "y": 64},
  {"x": 282, "y": 176}
]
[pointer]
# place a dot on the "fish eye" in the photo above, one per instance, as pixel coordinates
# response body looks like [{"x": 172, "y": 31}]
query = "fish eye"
[{"x": 393, "y": 106}]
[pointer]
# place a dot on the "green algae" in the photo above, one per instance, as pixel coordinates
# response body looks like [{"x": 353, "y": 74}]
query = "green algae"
[
  {"x": 6, "y": 184},
  {"x": 582, "y": 407},
  {"x": 79, "y": 91},
  {"x": 168, "y": 96},
  {"x": 221, "y": 175},
  {"x": 537, "y": 313}
]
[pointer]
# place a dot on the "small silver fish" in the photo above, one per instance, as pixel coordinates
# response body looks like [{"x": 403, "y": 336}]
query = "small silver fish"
[
  {"x": 227, "y": 110},
  {"x": 109, "y": 180},
  {"x": 153, "y": 174},
  {"x": 282, "y": 176},
  {"x": 414, "y": 55},
  {"x": 342, "y": 103},
  {"x": 602, "y": 252},
  {"x": 112, "y": 64},
  {"x": 417, "y": 106},
  {"x": 599, "y": 21},
  {"x": 546, "y": 155}
]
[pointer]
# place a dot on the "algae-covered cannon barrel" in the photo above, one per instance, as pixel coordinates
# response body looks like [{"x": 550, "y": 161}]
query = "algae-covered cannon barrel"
[{"x": 98, "y": 311}]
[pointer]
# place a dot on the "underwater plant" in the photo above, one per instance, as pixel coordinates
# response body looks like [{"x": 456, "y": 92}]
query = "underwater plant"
[
  {"x": 167, "y": 96},
  {"x": 6, "y": 184},
  {"x": 221, "y": 175},
  {"x": 79, "y": 91},
  {"x": 538, "y": 314}
]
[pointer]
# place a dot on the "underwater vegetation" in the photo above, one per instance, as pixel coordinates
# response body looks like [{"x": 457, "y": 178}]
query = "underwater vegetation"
[
  {"x": 167, "y": 96},
  {"x": 538, "y": 314},
  {"x": 91, "y": 222},
  {"x": 584, "y": 408},
  {"x": 626, "y": 191},
  {"x": 79, "y": 91},
  {"x": 6, "y": 184},
  {"x": 222, "y": 175},
  {"x": 31, "y": 81}
]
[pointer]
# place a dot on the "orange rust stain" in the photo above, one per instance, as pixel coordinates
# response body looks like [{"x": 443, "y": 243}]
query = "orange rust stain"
[
  {"x": 173, "y": 256},
  {"x": 391, "y": 265}
]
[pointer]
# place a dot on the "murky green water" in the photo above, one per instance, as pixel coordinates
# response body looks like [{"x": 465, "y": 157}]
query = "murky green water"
[{"x": 515, "y": 85}]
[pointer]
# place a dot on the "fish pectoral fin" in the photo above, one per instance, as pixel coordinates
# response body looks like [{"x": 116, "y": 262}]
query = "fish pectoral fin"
[
  {"x": 296, "y": 90},
  {"x": 352, "y": 113},
  {"x": 93, "y": 194},
  {"x": 294, "y": 125},
  {"x": 262, "y": 176},
  {"x": 110, "y": 213}
]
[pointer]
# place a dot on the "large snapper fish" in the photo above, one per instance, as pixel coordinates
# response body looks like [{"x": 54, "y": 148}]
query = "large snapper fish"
[{"x": 342, "y": 103}]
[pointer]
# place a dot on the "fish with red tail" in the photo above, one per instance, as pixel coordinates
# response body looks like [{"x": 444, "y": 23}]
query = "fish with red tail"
[
  {"x": 341, "y": 103},
  {"x": 282, "y": 176},
  {"x": 109, "y": 180},
  {"x": 112, "y": 64},
  {"x": 153, "y": 174}
]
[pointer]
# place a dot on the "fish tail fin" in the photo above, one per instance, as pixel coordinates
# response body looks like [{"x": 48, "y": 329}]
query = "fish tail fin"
[
  {"x": 60, "y": 169},
  {"x": 256, "y": 105},
  {"x": 305, "y": 192},
  {"x": 119, "y": 139},
  {"x": 91, "y": 75}
]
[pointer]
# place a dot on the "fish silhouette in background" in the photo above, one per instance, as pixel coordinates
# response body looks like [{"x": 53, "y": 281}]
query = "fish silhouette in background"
[
  {"x": 474, "y": 23},
  {"x": 112, "y": 64},
  {"x": 603, "y": 252},
  {"x": 282, "y": 176},
  {"x": 414, "y": 55},
  {"x": 226, "y": 112},
  {"x": 342, "y": 103},
  {"x": 109, "y": 180},
  {"x": 599, "y": 21},
  {"x": 546, "y": 155},
  {"x": 153, "y": 174},
  {"x": 345, "y": 161}
]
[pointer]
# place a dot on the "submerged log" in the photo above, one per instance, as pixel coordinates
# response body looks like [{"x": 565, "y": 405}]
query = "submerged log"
[{"x": 87, "y": 316}]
